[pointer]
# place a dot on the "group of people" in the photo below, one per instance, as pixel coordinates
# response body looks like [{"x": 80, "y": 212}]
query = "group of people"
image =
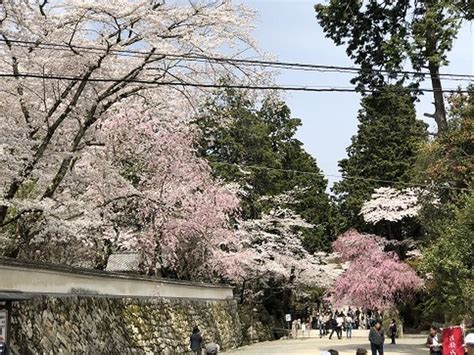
[
  {"x": 338, "y": 322},
  {"x": 301, "y": 325},
  {"x": 376, "y": 340}
]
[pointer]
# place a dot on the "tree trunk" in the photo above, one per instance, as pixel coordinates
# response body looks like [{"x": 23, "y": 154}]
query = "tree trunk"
[{"x": 440, "y": 109}]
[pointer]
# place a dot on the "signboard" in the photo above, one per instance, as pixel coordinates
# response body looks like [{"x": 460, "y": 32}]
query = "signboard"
[
  {"x": 452, "y": 341},
  {"x": 3, "y": 323},
  {"x": 288, "y": 317}
]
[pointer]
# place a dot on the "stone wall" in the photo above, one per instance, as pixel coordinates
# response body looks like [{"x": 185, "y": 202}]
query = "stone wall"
[{"x": 101, "y": 325}]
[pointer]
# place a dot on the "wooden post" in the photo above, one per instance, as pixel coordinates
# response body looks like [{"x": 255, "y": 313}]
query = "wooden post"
[{"x": 9, "y": 312}]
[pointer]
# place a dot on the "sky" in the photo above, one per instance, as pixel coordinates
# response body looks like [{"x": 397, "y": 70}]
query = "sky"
[{"x": 288, "y": 29}]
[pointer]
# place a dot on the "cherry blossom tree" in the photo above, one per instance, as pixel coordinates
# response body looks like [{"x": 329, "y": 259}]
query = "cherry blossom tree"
[
  {"x": 389, "y": 204},
  {"x": 394, "y": 213},
  {"x": 375, "y": 279},
  {"x": 94, "y": 151},
  {"x": 270, "y": 248}
]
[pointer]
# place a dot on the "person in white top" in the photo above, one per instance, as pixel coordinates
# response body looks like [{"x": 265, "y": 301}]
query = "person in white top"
[{"x": 340, "y": 323}]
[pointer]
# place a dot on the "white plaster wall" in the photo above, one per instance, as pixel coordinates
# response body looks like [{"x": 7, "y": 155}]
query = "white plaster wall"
[{"x": 46, "y": 281}]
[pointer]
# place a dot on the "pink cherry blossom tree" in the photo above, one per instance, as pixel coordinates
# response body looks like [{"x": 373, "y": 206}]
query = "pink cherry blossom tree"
[{"x": 375, "y": 279}]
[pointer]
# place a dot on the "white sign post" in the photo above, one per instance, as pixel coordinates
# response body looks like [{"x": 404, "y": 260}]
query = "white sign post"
[
  {"x": 3, "y": 323},
  {"x": 288, "y": 320}
]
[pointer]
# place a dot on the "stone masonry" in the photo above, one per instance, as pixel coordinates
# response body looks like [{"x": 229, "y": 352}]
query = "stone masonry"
[{"x": 101, "y": 325}]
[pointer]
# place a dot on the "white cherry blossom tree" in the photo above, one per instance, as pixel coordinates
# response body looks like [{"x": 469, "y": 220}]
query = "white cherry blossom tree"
[{"x": 92, "y": 122}]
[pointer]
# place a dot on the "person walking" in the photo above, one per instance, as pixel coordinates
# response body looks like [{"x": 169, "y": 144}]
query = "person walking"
[
  {"x": 361, "y": 351},
  {"x": 303, "y": 328},
  {"x": 348, "y": 325},
  {"x": 393, "y": 330},
  {"x": 195, "y": 341},
  {"x": 434, "y": 342},
  {"x": 376, "y": 339},
  {"x": 333, "y": 326},
  {"x": 294, "y": 329},
  {"x": 322, "y": 325},
  {"x": 340, "y": 324}
]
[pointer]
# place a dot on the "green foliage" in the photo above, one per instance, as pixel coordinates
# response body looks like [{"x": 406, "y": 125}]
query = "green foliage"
[
  {"x": 255, "y": 146},
  {"x": 450, "y": 263},
  {"x": 448, "y": 161},
  {"x": 383, "y": 34},
  {"x": 383, "y": 151}
]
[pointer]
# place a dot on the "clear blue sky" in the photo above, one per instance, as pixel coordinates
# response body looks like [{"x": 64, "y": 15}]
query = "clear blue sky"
[{"x": 288, "y": 29}]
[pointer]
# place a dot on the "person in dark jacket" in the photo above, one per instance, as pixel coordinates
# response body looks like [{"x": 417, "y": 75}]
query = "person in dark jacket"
[
  {"x": 196, "y": 341},
  {"x": 376, "y": 339},
  {"x": 3, "y": 346},
  {"x": 434, "y": 342},
  {"x": 393, "y": 330},
  {"x": 333, "y": 327}
]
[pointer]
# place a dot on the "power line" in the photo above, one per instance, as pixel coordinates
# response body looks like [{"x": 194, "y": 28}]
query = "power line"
[
  {"x": 339, "y": 176},
  {"x": 251, "y": 62},
  {"x": 213, "y": 86}
]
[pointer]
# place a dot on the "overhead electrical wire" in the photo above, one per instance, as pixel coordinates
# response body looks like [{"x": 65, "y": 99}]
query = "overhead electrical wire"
[
  {"x": 302, "y": 172},
  {"x": 250, "y": 62},
  {"x": 236, "y": 61},
  {"x": 211, "y": 85}
]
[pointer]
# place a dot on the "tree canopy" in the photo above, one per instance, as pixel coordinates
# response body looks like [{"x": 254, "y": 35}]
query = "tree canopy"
[
  {"x": 253, "y": 144},
  {"x": 382, "y": 152},
  {"x": 381, "y": 35}
]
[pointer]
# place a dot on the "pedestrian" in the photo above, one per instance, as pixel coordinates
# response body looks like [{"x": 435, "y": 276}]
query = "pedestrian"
[
  {"x": 333, "y": 326},
  {"x": 212, "y": 349},
  {"x": 322, "y": 325},
  {"x": 356, "y": 323},
  {"x": 195, "y": 341},
  {"x": 3, "y": 346},
  {"x": 376, "y": 339},
  {"x": 340, "y": 324},
  {"x": 303, "y": 328},
  {"x": 434, "y": 341},
  {"x": 294, "y": 329},
  {"x": 469, "y": 344},
  {"x": 348, "y": 325},
  {"x": 361, "y": 351},
  {"x": 393, "y": 330}
]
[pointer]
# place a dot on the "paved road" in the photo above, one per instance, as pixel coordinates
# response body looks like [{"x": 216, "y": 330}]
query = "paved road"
[{"x": 409, "y": 345}]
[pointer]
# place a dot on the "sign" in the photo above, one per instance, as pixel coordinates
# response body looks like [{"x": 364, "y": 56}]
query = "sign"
[
  {"x": 452, "y": 341},
  {"x": 288, "y": 317},
  {"x": 3, "y": 323}
]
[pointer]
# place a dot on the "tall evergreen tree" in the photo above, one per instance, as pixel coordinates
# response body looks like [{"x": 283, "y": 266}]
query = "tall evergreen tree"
[
  {"x": 254, "y": 145},
  {"x": 382, "y": 152},
  {"x": 384, "y": 34}
]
